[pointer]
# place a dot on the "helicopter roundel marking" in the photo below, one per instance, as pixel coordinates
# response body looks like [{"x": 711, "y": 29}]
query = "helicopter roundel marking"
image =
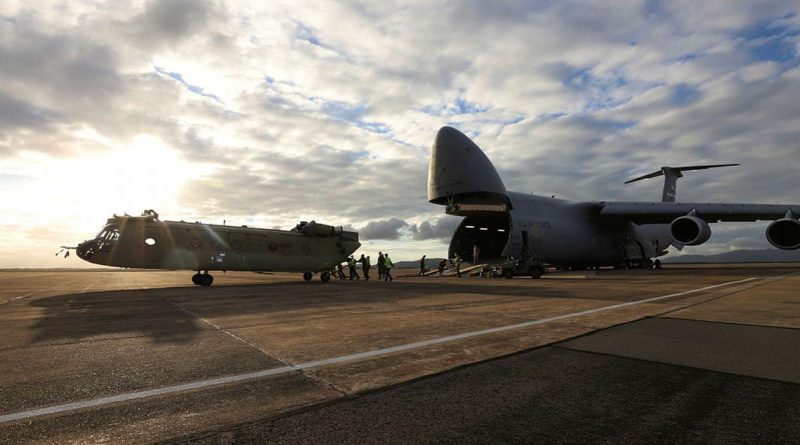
[
  {"x": 273, "y": 247},
  {"x": 196, "y": 243},
  {"x": 306, "y": 249}
]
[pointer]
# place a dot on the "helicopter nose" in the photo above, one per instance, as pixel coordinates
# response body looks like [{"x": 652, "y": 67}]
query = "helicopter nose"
[
  {"x": 351, "y": 246},
  {"x": 84, "y": 249}
]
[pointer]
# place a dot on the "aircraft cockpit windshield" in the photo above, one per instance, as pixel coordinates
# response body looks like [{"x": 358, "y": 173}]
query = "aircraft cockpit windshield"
[{"x": 109, "y": 233}]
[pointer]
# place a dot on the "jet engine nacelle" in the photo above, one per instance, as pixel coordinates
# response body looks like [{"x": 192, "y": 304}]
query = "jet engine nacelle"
[
  {"x": 689, "y": 230},
  {"x": 784, "y": 234}
]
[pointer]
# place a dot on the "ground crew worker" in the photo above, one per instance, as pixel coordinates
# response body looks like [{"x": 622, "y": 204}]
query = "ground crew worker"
[
  {"x": 458, "y": 265},
  {"x": 422, "y": 268},
  {"x": 387, "y": 268},
  {"x": 364, "y": 266},
  {"x": 351, "y": 264},
  {"x": 442, "y": 265},
  {"x": 381, "y": 264},
  {"x": 476, "y": 251},
  {"x": 340, "y": 271}
]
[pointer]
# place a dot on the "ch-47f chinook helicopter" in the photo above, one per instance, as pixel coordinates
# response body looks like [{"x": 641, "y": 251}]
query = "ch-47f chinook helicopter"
[
  {"x": 544, "y": 230},
  {"x": 145, "y": 242}
]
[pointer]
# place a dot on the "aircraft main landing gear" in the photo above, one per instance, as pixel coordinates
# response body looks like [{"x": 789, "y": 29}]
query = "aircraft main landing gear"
[
  {"x": 308, "y": 276},
  {"x": 202, "y": 279},
  {"x": 325, "y": 276}
]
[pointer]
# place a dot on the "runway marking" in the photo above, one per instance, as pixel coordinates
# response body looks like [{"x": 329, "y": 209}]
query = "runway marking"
[{"x": 55, "y": 409}]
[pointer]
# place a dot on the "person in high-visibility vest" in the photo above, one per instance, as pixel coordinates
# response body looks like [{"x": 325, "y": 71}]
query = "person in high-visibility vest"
[{"x": 387, "y": 268}]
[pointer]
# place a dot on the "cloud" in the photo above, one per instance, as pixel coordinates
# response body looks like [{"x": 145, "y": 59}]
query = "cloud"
[
  {"x": 441, "y": 229},
  {"x": 282, "y": 112},
  {"x": 170, "y": 21},
  {"x": 386, "y": 229}
]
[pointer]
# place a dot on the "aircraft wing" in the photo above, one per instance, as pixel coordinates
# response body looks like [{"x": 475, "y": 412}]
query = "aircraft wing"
[{"x": 665, "y": 212}]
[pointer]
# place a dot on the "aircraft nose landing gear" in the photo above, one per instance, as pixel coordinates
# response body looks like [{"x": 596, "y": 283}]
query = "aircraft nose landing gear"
[{"x": 202, "y": 279}]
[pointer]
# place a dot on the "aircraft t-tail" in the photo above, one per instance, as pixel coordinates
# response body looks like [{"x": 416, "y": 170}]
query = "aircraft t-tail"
[
  {"x": 534, "y": 231},
  {"x": 145, "y": 242}
]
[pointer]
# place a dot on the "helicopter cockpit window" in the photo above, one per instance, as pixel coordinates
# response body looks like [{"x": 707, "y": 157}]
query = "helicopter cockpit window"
[{"x": 109, "y": 233}]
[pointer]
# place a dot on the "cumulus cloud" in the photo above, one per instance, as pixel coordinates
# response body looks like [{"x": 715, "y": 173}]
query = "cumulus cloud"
[
  {"x": 386, "y": 229},
  {"x": 440, "y": 229}
]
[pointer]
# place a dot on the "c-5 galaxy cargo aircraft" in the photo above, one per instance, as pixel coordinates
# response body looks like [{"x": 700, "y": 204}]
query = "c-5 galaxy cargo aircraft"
[
  {"x": 146, "y": 242},
  {"x": 537, "y": 230}
]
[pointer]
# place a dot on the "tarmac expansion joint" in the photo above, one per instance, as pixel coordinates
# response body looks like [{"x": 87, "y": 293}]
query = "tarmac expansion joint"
[{"x": 275, "y": 357}]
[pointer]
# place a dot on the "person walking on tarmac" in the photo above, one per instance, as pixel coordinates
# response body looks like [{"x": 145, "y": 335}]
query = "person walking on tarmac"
[
  {"x": 340, "y": 272},
  {"x": 422, "y": 268},
  {"x": 387, "y": 268},
  {"x": 381, "y": 263},
  {"x": 457, "y": 260},
  {"x": 442, "y": 265},
  {"x": 364, "y": 266},
  {"x": 351, "y": 264}
]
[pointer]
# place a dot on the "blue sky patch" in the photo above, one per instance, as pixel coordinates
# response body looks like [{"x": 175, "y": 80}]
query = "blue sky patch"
[
  {"x": 684, "y": 94},
  {"x": 200, "y": 91},
  {"x": 459, "y": 106},
  {"x": 600, "y": 92},
  {"x": 306, "y": 34},
  {"x": 771, "y": 40},
  {"x": 463, "y": 106},
  {"x": 351, "y": 114}
]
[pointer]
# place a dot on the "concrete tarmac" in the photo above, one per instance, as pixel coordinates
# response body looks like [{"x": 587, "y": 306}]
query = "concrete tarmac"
[{"x": 143, "y": 356}]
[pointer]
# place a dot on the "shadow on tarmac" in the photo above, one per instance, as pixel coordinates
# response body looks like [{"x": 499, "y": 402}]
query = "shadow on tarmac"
[{"x": 166, "y": 315}]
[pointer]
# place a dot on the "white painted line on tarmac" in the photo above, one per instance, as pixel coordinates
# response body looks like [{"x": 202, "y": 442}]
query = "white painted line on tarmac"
[{"x": 55, "y": 409}]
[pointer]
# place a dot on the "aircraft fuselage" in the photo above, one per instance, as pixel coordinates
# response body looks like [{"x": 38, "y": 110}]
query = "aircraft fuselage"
[
  {"x": 559, "y": 232},
  {"x": 148, "y": 243}
]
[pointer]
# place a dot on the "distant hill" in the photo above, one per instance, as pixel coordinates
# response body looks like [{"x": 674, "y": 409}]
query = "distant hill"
[{"x": 740, "y": 256}]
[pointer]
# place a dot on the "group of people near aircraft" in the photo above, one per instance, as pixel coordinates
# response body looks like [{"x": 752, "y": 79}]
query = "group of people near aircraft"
[
  {"x": 385, "y": 266},
  {"x": 451, "y": 262}
]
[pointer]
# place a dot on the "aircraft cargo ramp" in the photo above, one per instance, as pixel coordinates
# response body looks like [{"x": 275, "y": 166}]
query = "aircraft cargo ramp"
[
  {"x": 700, "y": 354},
  {"x": 450, "y": 271}
]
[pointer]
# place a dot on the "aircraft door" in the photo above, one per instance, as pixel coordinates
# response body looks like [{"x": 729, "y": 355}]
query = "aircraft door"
[{"x": 490, "y": 234}]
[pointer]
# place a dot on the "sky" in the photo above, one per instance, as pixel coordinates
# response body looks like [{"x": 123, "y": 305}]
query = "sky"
[{"x": 267, "y": 113}]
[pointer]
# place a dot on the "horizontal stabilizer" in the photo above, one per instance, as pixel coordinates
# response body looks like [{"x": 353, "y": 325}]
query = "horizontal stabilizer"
[
  {"x": 658, "y": 173},
  {"x": 671, "y": 175}
]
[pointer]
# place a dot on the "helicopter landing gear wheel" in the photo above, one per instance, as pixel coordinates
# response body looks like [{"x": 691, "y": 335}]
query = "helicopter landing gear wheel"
[
  {"x": 196, "y": 278},
  {"x": 536, "y": 271},
  {"x": 307, "y": 276},
  {"x": 508, "y": 273},
  {"x": 206, "y": 279},
  {"x": 325, "y": 277}
]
